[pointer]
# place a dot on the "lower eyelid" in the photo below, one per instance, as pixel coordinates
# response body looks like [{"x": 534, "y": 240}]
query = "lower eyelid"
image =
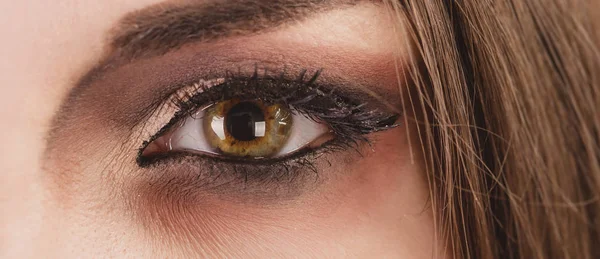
[
  {"x": 191, "y": 177},
  {"x": 198, "y": 175}
]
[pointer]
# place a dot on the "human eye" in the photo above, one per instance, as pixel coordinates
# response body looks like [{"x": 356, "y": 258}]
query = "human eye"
[
  {"x": 242, "y": 129},
  {"x": 251, "y": 123}
]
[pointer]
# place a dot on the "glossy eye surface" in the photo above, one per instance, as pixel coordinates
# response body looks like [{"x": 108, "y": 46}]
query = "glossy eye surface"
[
  {"x": 247, "y": 128},
  {"x": 242, "y": 129}
]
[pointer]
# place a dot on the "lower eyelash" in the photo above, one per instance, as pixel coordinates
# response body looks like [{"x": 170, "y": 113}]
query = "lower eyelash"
[
  {"x": 275, "y": 180},
  {"x": 304, "y": 157}
]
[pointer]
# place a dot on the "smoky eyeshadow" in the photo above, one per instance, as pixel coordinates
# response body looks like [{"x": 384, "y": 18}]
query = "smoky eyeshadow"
[
  {"x": 127, "y": 97},
  {"x": 283, "y": 177},
  {"x": 114, "y": 104},
  {"x": 128, "y": 93},
  {"x": 128, "y": 102}
]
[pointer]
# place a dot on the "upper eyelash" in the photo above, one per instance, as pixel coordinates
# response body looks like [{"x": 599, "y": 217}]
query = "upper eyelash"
[
  {"x": 349, "y": 119},
  {"x": 343, "y": 108},
  {"x": 190, "y": 99}
]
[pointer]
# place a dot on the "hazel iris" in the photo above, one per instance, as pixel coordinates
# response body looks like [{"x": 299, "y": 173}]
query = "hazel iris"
[{"x": 247, "y": 128}]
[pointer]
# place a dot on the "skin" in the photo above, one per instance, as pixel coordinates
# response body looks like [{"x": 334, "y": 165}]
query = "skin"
[{"x": 58, "y": 203}]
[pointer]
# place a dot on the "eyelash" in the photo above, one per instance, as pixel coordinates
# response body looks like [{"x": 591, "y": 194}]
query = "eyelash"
[{"x": 349, "y": 119}]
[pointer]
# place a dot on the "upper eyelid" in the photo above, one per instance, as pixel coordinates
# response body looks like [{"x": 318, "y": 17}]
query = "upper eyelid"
[
  {"x": 205, "y": 85},
  {"x": 118, "y": 56},
  {"x": 382, "y": 97},
  {"x": 186, "y": 106}
]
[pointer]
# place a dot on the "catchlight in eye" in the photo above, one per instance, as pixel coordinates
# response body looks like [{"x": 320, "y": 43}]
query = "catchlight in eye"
[
  {"x": 242, "y": 129},
  {"x": 248, "y": 128}
]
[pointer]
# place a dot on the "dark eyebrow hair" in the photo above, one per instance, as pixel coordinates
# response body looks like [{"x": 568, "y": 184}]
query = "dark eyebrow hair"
[{"x": 164, "y": 27}]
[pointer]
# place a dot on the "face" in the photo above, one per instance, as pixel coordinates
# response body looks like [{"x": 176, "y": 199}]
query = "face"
[{"x": 194, "y": 129}]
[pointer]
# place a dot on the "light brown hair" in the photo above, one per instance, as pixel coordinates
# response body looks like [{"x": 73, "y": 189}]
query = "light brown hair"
[{"x": 510, "y": 128}]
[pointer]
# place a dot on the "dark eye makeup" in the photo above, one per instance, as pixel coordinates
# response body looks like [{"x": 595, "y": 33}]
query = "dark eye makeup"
[{"x": 349, "y": 114}]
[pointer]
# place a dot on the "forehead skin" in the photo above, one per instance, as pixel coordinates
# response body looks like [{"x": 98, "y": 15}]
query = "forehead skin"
[{"x": 45, "y": 49}]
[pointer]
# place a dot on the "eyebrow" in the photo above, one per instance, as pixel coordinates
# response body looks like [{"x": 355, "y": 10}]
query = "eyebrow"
[
  {"x": 164, "y": 27},
  {"x": 159, "y": 29}
]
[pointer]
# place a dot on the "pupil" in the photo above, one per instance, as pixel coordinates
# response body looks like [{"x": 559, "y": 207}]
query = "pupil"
[{"x": 243, "y": 119}]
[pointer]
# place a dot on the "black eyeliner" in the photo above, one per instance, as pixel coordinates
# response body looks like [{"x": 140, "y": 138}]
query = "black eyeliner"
[{"x": 350, "y": 118}]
